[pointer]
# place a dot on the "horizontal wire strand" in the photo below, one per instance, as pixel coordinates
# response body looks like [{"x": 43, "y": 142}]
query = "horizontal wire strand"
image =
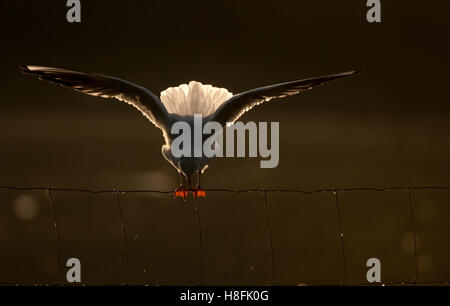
[
  {"x": 265, "y": 191},
  {"x": 385, "y": 189}
]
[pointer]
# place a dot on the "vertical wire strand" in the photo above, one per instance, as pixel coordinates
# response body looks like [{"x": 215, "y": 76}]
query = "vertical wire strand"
[
  {"x": 411, "y": 209},
  {"x": 125, "y": 239},
  {"x": 341, "y": 235},
  {"x": 200, "y": 238},
  {"x": 58, "y": 242},
  {"x": 413, "y": 224},
  {"x": 269, "y": 233}
]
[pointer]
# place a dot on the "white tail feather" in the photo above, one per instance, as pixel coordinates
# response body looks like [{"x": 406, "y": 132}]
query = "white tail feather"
[{"x": 194, "y": 98}]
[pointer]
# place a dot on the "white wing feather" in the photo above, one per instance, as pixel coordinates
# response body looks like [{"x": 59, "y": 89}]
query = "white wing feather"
[
  {"x": 237, "y": 105},
  {"x": 106, "y": 87}
]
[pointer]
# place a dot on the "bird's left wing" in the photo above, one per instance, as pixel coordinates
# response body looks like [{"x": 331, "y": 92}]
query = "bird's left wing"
[
  {"x": 237, "y": 105},
  {"x": 106, "y": 87}
]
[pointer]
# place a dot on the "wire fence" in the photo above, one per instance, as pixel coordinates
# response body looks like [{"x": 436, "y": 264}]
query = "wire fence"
[{"x": 117, "y": 192}]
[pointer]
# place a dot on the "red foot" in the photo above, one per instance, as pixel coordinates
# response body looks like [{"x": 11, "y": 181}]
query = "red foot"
[
  {"x": 181, "y": 193},
  {"x": 199, "y": 192}
]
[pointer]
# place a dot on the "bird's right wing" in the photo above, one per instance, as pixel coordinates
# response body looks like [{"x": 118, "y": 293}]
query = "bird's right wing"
[
  {"x": 106, "y": 87},
  {"x": 237, "y": 105}
]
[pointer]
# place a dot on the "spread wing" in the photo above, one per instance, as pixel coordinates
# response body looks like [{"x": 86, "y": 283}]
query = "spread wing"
[
  {"x": 237, "y": 105},
  {"x": 106, "y": 87}
]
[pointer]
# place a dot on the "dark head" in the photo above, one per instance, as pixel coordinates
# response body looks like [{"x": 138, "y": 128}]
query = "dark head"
[{"x": 188, "y": 166}]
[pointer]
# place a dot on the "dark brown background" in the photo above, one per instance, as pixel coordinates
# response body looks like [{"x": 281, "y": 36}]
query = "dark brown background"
[{"x": 387, "y": 126}]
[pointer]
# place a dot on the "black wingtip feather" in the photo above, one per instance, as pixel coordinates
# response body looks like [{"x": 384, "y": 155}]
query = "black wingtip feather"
[
  {"x": 344, "y": 74},
  {"x": 24, "y": 68}
]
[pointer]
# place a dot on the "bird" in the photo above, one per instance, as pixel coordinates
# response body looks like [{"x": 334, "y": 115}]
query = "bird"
[{"x": 179, "y": 104}]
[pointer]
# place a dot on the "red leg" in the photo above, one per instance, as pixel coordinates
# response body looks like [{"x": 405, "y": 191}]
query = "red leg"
[
  {"x": 199, "y": 191},
  {"x": 181, "y": 192}
]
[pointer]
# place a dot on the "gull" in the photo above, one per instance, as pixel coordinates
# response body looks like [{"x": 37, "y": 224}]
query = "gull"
[{"x": 178, "y": 104}]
